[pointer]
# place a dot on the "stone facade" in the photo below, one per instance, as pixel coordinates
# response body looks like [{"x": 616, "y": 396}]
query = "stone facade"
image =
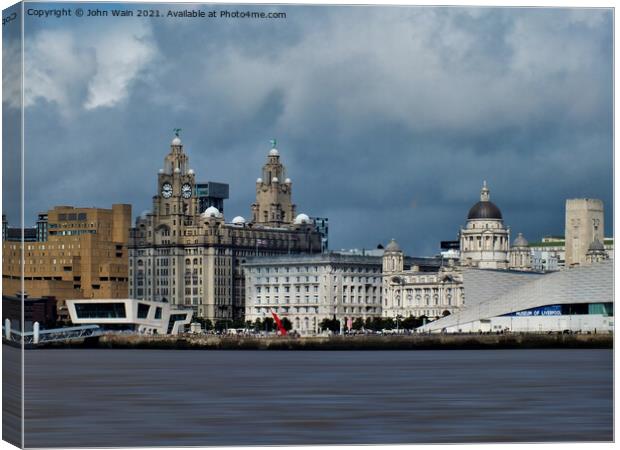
[
  {"x": 485, "y": 241},
  {"x": 83, "y": 254},
  {"x": 419, "y": 293},
  {"x": 273, "y": 205},
  {"x": 309, "y": 288},
  {"x": 585, "y": 222},
  {"x": 180, "y": 254},
  {"x": 520, "y": 254}
]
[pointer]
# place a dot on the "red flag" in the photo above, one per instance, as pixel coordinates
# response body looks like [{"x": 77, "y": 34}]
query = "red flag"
[{"x": 278, "y": 323}]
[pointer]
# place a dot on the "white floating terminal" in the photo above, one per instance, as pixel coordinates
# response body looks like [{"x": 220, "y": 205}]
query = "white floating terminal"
[
  {"x": 211, "y": 211},
  {"x": 238, "y": 220},
  {"x": 275, "y": 180},
  {"x": 302, "y": 218}
]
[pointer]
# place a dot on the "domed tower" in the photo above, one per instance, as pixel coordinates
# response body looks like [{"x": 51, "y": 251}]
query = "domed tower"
[
  {"x": 596, "y": 252},
  {"x": 393, "y": 258},
  {"x": 175, "y": 186},
  {"x": 485, "y": 241},
  {"x": 273, "y": 206},
  {"x": 520, "y": 255}
]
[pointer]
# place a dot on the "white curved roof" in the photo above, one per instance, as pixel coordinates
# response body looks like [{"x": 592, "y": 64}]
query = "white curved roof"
[
  {"x": 176, "y": 141},
  {"x": 585, "y": 284},
  {"x": 274, "y": 152},
  {"x": 275, "y": 180},
  {"x": 238, "y": 220},
  {"x": 259, "y": 180},
  {"x": 288, "y": 181},
  {"x": 302, "y": 218}
]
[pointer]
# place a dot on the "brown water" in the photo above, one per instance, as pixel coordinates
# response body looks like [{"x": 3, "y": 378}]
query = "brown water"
[{"x": 154, "y": 397}]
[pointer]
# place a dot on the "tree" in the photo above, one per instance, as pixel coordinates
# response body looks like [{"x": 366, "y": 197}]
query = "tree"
[
  {"x": 221, "y": 325},
  {"x": 389, "y": 324},
  {"x": 269, "y": 324},
  {"x": 205, "y": 324},
  {"x": 238, "y": 323},
  {"x": 358, "y": 323},
  {"x": 288, "y": 326},
  {"x": 330, "y": 324},
  {"x": 409, "y": 323}
]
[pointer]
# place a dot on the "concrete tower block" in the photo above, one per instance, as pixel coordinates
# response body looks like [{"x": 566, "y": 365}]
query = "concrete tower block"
[{"x": 584, "y": 222}]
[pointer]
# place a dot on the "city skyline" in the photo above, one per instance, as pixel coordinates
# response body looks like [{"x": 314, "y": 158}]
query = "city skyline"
[{"x": 388, "y": 132}]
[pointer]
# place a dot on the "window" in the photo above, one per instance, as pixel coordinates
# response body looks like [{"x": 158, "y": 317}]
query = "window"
[
  {"x": 92, "y": 310},
  {"x": 143, "y": 310},
  {"x": 158, "y": 312}
]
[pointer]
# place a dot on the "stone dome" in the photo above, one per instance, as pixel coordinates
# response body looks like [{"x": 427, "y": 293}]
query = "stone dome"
[
  {"x": 274, "y": 152},
  {"x": 211, "y": 211},
  {"x": 392, "y": 246},
  {"x": 302, "y": 218},
  {"x": 275, "y": 180},
  {"x": 520, "y": 241},
  {"x": 238, "y": 220},
  {"x": 161, "y": 170},
  {"x": 484, "y": 210},
  {"x": 190, "y": 172},
  {"x": 176, "y": 141},
  {"x": 259, "y": 180},
  {"x": 177, "y": 170},
  {"x": 288, "y": 181}
]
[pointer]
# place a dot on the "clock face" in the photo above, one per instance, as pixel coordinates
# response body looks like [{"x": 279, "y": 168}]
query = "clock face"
[
  {"x": 166, "y": 190},
  {"x": 186, "y": 190}
]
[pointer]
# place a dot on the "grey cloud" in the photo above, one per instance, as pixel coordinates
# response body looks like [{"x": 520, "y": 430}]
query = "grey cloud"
[{"x": 388, "y": 118}]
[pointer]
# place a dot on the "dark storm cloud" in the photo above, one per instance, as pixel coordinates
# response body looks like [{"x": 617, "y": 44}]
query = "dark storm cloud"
[{"x": 388, "y": 119}]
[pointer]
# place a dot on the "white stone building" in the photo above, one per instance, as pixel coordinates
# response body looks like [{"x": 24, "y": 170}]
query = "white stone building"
[
  {"x": 309, "y": 288},
  {"x": 485, "y": 240},
  {"x": 418, "y": 293}
]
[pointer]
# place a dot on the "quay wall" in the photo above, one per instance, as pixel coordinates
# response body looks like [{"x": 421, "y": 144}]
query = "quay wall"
[{"x": 407, "y": 342}]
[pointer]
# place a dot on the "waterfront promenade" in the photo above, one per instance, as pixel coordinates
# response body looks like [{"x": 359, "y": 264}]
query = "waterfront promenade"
[{"x": 359, "y": 342}]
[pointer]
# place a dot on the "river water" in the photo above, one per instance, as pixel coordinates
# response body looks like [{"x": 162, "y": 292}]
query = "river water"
[{"x": 100, "y": 397}]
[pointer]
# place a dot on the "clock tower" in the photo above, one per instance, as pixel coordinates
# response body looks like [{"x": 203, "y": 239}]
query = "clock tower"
[
  {"x": 274, "y": 206},
  {"x": 175, "y": 204}
]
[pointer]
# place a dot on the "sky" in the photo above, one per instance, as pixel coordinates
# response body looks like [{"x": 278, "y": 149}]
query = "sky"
[{"x": 388, "y": 119}]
